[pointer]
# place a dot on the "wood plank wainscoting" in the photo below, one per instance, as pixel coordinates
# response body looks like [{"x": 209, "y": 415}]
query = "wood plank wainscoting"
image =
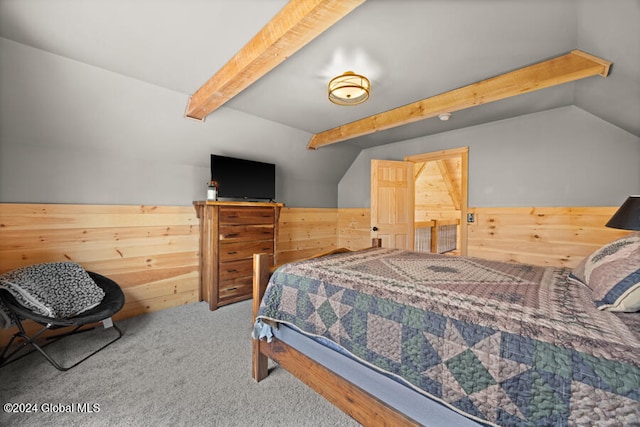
[
  {"x": 150, "y": 251},
  {"x": 559, "y": 236},
  {"x": 354, "y": 228},
  {"x": 303, "y": 232}
]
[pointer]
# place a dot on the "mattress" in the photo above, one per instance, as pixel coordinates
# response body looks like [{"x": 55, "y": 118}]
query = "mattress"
[
  {"x": 417, "y": 406},
  {"x": 502, "y": 343}
]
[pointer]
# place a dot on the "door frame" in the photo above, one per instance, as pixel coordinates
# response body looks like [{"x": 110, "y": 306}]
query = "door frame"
[{"x": 463, "y": 154}]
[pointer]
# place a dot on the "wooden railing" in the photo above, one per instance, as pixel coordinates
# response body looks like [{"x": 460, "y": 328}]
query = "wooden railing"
[{"x": 429, "y": 236}]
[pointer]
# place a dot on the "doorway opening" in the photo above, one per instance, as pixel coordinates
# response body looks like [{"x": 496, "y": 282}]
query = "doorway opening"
[
  {"x": 424, "y": 193},
  {"x": 440, "y": 201}
]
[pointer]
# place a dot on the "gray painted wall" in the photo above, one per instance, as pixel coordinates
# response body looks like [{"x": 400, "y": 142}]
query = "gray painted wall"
[
  {"x": 560, "y": 157},
  {"x": 74, "y": 133}
]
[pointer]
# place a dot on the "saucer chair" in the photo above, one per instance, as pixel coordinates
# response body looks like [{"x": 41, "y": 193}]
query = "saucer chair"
[{"x": 110, "y": 304}]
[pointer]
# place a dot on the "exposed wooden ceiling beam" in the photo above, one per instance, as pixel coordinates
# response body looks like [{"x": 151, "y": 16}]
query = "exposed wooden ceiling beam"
[
  {"x": 299, "y": 22},
  {"x": 562, "y": 69}
]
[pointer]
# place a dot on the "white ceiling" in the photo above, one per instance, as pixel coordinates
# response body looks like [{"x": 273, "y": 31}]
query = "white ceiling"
[{"x": 411, "y": 49}]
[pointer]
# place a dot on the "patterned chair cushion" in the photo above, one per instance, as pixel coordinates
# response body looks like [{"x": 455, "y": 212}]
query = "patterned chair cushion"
[
  {"x": 59, "y": 289},
  {"x": 613, "y": 274}
]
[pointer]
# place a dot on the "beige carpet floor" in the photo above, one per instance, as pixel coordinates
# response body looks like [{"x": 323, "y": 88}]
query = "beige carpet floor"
[{"x": 185, "y": 366}]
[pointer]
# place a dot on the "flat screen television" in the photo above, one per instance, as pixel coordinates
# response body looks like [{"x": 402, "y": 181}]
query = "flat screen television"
[{"x": 242, "y": 179}]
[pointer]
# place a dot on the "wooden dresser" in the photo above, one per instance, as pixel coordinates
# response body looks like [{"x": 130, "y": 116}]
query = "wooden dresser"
[{"x": 230, "y": 233}]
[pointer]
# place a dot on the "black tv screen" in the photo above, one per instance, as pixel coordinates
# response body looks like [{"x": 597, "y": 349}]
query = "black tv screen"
[{"x": 243, "y": 179}]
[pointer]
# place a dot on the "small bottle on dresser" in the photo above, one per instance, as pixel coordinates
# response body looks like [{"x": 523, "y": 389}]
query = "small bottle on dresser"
[{"x": 212, "y": 191}]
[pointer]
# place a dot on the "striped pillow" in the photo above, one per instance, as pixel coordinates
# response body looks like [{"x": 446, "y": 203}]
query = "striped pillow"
[{"x": 613, "y": 274}]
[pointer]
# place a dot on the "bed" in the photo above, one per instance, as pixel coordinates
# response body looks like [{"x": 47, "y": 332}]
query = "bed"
[{"x": 411, "y": 338}]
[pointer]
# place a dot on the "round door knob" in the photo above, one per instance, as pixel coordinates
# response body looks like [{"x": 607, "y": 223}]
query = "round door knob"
[{"x": 374, "y": 228}]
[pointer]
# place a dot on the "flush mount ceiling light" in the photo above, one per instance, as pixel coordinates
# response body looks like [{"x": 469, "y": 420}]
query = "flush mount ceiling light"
[
  {"x": 444, "y": 116},
  {"x": 349, "y": 88}
]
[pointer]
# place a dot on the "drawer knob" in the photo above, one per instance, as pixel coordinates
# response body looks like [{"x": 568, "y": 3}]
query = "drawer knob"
[{"x": 232, "y": 253}]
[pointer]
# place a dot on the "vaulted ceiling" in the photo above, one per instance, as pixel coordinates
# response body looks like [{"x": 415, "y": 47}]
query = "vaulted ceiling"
[{"x": 410, "y": 49}]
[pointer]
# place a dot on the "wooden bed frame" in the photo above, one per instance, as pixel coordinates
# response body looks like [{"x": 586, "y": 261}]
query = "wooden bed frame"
[{"x": 351, "y": 399}]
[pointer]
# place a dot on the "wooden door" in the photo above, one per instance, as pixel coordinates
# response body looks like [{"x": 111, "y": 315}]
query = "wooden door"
[{"x": 392, "y": 199}]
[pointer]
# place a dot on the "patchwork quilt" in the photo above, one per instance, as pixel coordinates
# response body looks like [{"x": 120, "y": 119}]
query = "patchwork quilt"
[{"x": 506, "y": 344}]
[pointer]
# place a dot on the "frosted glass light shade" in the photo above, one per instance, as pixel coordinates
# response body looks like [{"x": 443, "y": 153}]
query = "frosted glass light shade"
[{"x": 349, "y": 89}]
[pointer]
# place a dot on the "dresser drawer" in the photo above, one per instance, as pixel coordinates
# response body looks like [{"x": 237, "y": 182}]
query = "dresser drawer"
[
  {"x": 230, "y": 215},
  {"x": 235, "y": 289},
  {"x": 230, "y": 251},
  {"x": 239, "y": 233},
  {"x": 235, "y": 269}
]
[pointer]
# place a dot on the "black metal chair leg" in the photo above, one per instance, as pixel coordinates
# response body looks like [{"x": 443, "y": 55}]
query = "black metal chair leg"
[
  {"x": 5, "y": 360},
  {"x": 112, "y": 302}
]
